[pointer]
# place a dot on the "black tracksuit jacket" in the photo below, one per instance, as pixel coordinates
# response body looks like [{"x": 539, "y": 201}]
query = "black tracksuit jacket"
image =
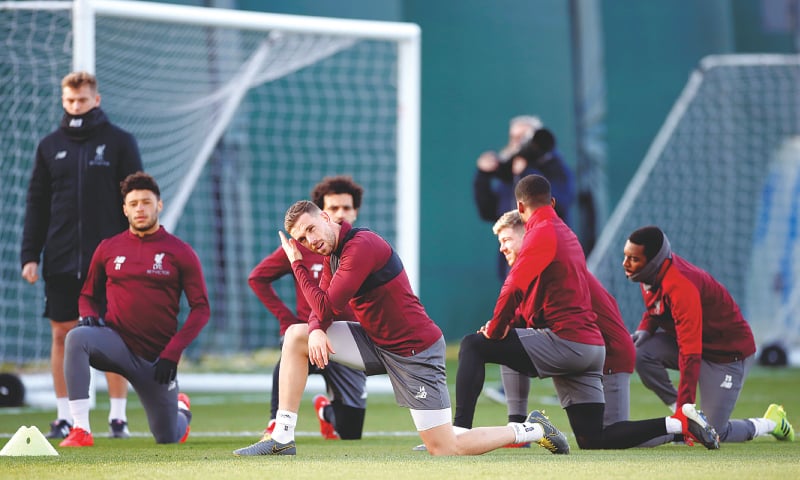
[{"x": 74, "y": 198}]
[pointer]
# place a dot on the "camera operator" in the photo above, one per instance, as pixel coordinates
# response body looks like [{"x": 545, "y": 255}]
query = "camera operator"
[{"x": 531, "y": 149}]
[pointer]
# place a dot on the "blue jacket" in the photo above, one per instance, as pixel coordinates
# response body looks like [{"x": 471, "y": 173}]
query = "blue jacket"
[{"x": 494, "y": 191}]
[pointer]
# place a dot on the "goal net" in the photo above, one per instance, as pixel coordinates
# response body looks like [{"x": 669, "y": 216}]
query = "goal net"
[
  {"x": 237, "y": 115},
  {"x": 721, "y": 179}
]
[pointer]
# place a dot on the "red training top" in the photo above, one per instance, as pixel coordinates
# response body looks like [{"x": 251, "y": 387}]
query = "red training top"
[
  {"x": 143, "y": 279},
  {"x": 620, "y": 352},
  {"x": 688, "y": 303},
  {"x": 275, "y": 266},
  {"x": 391, "y": 314},
  {"x": 549, "y": 283}
]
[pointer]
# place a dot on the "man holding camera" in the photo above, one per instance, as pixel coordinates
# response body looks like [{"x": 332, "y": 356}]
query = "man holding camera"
[{"x": 531, "y": 148}]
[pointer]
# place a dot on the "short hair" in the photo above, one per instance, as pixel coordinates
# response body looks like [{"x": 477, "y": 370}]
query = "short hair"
[
  {"x": 139, "y": 181},
  {"x": 336, "y": 185},
  {"x": 509, "y": 219},
  {"x": 76, "y": 80},
  {"x": 533, "y": 191},
  {"x": 650, "y": 237},
  {"x": 298, "y": 209},
  {"x": 530, "y": 120}
]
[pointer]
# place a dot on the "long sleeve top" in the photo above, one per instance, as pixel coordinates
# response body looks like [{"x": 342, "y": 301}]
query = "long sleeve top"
[
  {"x": 549, "y": 283},
  {"x": 391, "y": 314},
  {"x": 688, "y": 303},
  {"x": 275, "y": 266},
  {"x": 143, "y": 279}
]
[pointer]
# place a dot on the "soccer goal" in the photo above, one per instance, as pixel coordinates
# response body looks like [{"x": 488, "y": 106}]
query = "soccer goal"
[
  {"x": 237, "y": 114},
  {"x": 722, "y": 179}
]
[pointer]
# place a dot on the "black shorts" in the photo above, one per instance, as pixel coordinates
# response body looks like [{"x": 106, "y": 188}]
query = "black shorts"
[{"x": 61, "y": 294}]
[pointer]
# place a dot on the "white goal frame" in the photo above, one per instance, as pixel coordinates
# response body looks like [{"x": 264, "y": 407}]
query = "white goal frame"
[
  {"x": 606, "y": 238},
  {"x": 612, "y": 237},
  {"x": 406, "y": 35}
]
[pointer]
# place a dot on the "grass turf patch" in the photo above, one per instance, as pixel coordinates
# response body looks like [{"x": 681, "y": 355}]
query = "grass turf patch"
[{"x": 224, "y": 422}]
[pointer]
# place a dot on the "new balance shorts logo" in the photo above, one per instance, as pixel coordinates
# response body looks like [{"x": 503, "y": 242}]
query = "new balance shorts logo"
[{"x": 421, "y": 394}]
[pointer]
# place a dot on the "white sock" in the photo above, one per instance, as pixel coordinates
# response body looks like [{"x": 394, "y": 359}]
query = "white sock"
[
  {"x": 673, "y": 425},
  {"x": 672, "y": 407},
  {"x": 285, "y": 421},
  {"x": 80, "y": 413},
  {"x": 117, "y": 410},
  {"x": 62, "y": 409},
  {"x": 763, "y": 426},
  {"x": 527, "y": 432},
  {"x": 459, "y": 430}
]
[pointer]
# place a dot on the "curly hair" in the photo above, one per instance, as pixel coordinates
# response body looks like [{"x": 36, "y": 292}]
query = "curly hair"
[
  {"x": 335, "y": 185},
  {"x": 139, "y": 181}
]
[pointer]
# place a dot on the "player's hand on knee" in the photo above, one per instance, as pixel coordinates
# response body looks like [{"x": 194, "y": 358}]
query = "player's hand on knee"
[
  {"x": 318, "y": 348},
  {"x": 165, "y": 370},
  {"x": 639, "y": 337}
]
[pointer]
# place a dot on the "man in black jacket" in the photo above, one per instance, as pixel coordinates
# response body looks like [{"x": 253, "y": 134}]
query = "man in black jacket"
[{"x": 73, "y": 203}]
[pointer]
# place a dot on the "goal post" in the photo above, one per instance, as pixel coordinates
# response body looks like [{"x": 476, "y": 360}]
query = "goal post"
[
  {"x": 406, "y": 35},
  {"x": 721, "y": 179},
  {"x": 237, "y": 115}
]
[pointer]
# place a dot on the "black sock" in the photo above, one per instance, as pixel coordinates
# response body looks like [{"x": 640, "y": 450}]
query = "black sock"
[
  {"x": 586, "y": 420},
  {"x": 273, "y": 405},
  {"x": 348, "y": 421},
  {"x": 517, "y": 418}
]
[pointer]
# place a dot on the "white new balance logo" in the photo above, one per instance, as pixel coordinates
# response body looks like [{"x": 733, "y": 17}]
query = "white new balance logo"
[
  {"x": 421, "y": 394},
  {"x": 727, "y": 383}
]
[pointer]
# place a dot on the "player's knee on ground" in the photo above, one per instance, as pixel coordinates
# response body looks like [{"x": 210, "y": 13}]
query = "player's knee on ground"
[{"x": 586, "y": 421}]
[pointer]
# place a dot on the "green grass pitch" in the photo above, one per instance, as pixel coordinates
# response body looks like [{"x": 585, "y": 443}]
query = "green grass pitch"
[{"x": 224, "y": 422}]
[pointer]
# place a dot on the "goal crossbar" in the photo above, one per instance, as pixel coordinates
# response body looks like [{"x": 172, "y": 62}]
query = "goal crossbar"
[{"x": 406, "y": 35}]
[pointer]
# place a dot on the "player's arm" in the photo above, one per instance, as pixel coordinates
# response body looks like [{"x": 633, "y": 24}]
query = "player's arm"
[
  {"x": 271, "y": 268},
  {"x": 687, "y": 313},
  {"x": 647, "y": 323},
  {"x": 538, "y": 250},
  {"x": 362, "y": 255},
  {"x": 194, "y": 287},
  {"x": 93, "y": 292}
]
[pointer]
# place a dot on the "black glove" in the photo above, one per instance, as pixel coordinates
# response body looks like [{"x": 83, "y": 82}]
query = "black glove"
[
  {"x": 166, "y": 370},
  {"x": 91, "y": 322}
]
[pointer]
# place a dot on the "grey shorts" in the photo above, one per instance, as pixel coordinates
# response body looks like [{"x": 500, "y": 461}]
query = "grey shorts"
[
  {"x": 576, "y": 368},
  {"x": 343, "y": 383},
  {"x": 419, "y": 381}
]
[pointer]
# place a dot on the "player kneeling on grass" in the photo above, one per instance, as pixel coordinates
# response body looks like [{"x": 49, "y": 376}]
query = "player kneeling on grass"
[
  {"x": 142, "y": 273},
  {"x": 393, "y": 335},
  {"x": 620, "y": 354},
  {"x": 549, "y": 286},
  {"x": 692, "y": 324}
]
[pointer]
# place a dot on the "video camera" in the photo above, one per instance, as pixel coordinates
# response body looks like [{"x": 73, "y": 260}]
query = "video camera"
[{"x": 533, "y": 150}]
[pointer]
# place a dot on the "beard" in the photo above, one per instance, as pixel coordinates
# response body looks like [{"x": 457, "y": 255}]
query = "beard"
[{"x": 143, "y": 227}]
